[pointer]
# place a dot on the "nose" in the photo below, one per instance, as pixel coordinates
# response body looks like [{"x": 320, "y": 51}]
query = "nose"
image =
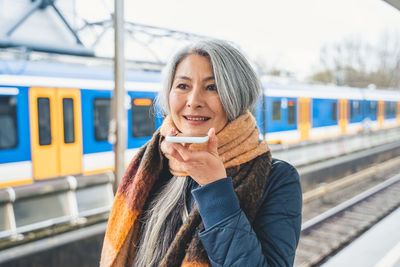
[{"x": 195, "y": 98}]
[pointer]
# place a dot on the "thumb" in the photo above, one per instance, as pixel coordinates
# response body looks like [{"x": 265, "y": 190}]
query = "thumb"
[{"x": 212, "y": 142}]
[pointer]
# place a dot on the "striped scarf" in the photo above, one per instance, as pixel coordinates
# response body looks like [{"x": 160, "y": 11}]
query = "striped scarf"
[{"x": 248, "y": 165}]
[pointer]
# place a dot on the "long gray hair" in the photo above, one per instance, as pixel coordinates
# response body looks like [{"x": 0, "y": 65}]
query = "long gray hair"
[
  {"x": 167, "y": 211},
  {"x": 237, "y": 83}
]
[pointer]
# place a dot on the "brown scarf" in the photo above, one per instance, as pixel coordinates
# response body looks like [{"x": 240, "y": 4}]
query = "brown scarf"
[{"x": 247, "y": 161}]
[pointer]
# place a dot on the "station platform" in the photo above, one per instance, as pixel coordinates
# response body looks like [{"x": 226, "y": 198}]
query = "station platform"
[
  {"x": 377, "y": 247},
  {"x": 308, "y": 152}
]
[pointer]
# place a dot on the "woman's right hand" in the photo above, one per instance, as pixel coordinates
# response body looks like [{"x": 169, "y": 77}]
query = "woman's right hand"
[{"x": 203, "y": 166}]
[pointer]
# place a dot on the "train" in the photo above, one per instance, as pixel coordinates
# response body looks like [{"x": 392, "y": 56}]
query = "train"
[
  {"x": 291, "y": 113},
  {"x": 54, "y": 116}
]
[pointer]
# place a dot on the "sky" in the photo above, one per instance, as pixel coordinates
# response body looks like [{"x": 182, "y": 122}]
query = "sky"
[{"x": 285, "y": 34}]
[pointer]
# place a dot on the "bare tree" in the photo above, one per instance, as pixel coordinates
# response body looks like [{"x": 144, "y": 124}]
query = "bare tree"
[{"x": 354, "y": 62}]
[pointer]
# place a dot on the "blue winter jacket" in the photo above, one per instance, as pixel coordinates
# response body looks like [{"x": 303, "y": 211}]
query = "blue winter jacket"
[{"x": 230, "y": 239}]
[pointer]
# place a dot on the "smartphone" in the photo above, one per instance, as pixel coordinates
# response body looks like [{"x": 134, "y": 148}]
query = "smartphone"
[{"x": 186, "y": 139}]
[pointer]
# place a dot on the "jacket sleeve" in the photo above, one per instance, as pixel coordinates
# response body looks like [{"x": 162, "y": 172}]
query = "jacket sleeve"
[{"x": 230, "y": 239}]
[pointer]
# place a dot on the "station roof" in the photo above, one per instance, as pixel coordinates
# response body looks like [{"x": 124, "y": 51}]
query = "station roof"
[{"x": 54, "y": 27}]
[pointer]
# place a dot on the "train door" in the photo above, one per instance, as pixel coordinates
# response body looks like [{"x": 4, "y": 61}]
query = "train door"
[
  {"x": 381, "y": 113},
  {"x": 304, "y": 120},
  {"x": 70, "y": 131},
  {"x": 56, "y": 133},
  {"x": 343, "y": 119}
]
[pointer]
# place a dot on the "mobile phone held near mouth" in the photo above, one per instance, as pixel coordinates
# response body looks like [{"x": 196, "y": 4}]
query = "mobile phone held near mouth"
[{"x": 186, "y": 139}]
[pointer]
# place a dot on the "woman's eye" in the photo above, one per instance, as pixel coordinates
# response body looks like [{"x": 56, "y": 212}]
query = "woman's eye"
[
  {"x": 182, "y": 86},
  {"x": 212, "y": 87}
]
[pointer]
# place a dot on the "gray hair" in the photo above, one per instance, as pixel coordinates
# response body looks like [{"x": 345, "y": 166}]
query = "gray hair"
[
  {"x": 153, "y": 242},
  {"x": 237, "y": 83}
]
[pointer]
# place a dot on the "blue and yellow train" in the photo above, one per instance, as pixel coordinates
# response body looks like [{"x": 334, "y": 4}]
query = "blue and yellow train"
[
  {"x": 54, "y": 118},
  {"x": 293, "y": 113}
]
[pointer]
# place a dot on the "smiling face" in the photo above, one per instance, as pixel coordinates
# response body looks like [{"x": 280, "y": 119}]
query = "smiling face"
[{"x": 194, "y": 101}]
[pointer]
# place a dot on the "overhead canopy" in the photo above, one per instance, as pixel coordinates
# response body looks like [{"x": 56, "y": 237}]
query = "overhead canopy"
[
  {"x": 54, "y": 26},
  {"x": 40, "y": 25}
]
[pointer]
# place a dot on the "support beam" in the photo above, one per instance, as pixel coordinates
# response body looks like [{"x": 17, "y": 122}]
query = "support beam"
[
  {"x": 40, "y": 5},
  {"x": 394, "y": 3},
  {"x": 119, "y": 114},
  {"x": 73, "y": 32},
  {"x": 35, "y": 7},
  {"x": 76, "y": 50}
]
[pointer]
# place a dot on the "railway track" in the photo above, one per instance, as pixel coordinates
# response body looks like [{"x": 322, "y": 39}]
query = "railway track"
[
  {"x": 329, "y": 195},
  {"x": 325, "y": 234}
]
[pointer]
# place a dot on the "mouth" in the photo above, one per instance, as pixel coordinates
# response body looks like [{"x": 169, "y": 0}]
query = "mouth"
[{"x": 196, "y": 118}]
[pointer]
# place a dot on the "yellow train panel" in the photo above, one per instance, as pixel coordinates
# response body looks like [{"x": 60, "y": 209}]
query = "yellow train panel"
[
  {"x": 56, "y": 132},
  {"x": 343, "y": 117},
  {"x": 398, "y": 112},
  {"x": 70, "y": 131},
  {"x": 43, "y": 132},
  {"x": 381, "y": 113},
  {"x": 304, "y": 118}
]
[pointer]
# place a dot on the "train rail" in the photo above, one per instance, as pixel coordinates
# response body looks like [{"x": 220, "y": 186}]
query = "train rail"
[
  {"x": 325, "y": 234},
  {"x": 330, "y": 194}
]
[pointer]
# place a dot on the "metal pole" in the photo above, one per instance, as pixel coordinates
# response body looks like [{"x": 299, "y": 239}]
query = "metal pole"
[{"x": 119, "y": 93}]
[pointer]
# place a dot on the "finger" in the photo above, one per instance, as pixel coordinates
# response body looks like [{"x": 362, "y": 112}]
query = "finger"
[
  {"x": 213, "y": 142},
  {"x": 185, "y": 145},
  {"x": 171, "y": 132},
  {"x": 176, "y": 155},
  {"x": 170, "y": 151},
  {"x": 183, "y": 151}
]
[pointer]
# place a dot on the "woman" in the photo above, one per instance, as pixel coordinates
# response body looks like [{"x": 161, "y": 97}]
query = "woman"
[{"x": 223, "y": 203}]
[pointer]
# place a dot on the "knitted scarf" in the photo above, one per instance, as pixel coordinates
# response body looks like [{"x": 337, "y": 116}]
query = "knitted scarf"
[{"x": 248, "y": 165}]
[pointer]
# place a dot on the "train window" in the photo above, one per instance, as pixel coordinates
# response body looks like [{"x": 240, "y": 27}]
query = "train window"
[
  {"x": 387, "y": 108},
  {"x": 358, "y": 107},
  {"x": 8, "y": 122},
  {"x": 68, "y": 118},
  {"x": 355, "y": 109},
  {"x": 372, "y": 108},
  {"x": 101, "y": 113},
  {"x": 393, "y": 108},
  {"x": 334, "y": 111},
  {"x": 276, "y": 110},
  {"x": 44, "y": 123},
  {"x": 291, "y": 112},
  {"x": 143, "y": 120},
  {"x": 351, "y": 111},
  {"x": 390, "y": 108}
]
